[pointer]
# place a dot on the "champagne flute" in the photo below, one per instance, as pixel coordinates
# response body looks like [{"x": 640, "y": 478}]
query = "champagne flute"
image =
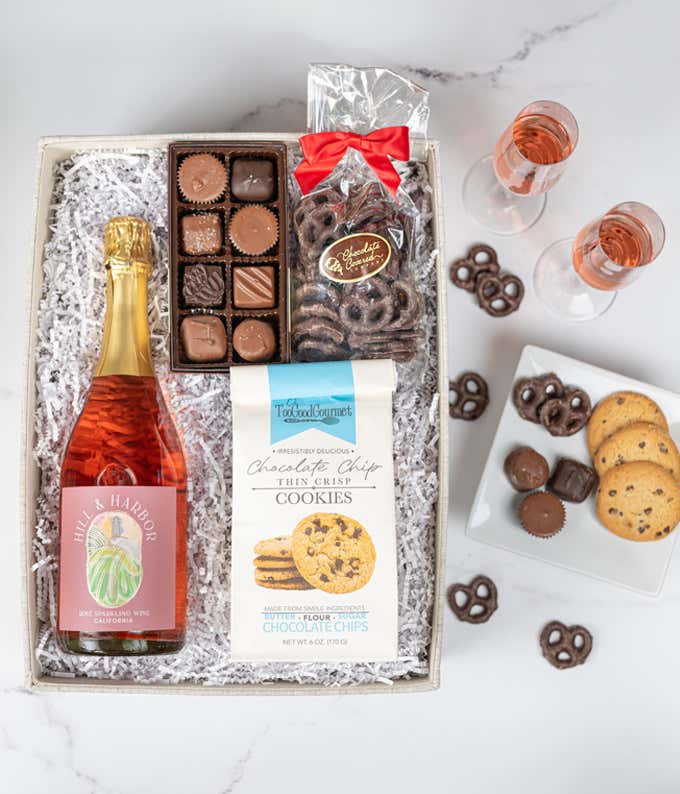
[
  {"x": 505, "y": 191},
  {"x": 577, "y": 279}
]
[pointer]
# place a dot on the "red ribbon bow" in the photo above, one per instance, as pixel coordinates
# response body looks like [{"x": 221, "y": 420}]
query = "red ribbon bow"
[{"x": 324, "y": 150}]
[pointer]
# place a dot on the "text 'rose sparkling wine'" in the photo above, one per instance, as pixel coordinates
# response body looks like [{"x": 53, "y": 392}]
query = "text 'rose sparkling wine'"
[{"x": 122, "y": 567}]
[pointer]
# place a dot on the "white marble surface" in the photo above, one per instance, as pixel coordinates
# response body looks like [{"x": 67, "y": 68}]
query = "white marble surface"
[{"x": 503, "y": 720}]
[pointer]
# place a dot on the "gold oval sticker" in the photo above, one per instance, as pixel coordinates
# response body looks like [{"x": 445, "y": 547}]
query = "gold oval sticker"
[{"x": 355, "y": 257}]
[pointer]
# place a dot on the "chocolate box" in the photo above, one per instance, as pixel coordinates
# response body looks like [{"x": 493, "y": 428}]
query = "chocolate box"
[
  {"x": 52, "y": 151},
  {"x": 224, "y": 258}
]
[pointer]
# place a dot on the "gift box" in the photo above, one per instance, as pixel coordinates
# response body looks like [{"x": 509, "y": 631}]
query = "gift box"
[{"x": 43, "y": 669}]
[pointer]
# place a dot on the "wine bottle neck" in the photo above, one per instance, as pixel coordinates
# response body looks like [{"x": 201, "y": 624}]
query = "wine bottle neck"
[{"x": 126, "y": 348}]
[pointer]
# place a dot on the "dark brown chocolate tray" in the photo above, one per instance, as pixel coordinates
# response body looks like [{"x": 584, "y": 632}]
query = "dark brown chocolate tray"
[{"x": 228, "y": 257}]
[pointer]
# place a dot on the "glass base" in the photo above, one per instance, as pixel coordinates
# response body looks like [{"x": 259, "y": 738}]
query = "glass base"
[
  {"x": 563, "y": 293},
  {"x": 496, "y": 209}
]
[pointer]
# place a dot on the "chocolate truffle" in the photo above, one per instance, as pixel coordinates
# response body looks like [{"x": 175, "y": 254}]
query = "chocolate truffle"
[
  {"x": 572, "y": 480},
  {"x": 202, "y": 178},
  {"x": 252, "y": 180},
  {"x": 203, "y": 338},
  {"x": 203, "y": 285},
  {"x": 253, "y": 229},
  {"x": 526, "y": 469},
  {"x": 254, "y": 340},
  {"x": 542, "y": 514},
  {"x": 201, "y": 234},
  {"x": 253, "y": 287}
]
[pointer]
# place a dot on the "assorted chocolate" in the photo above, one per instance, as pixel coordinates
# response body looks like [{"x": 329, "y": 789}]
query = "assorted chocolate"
[
  {"x": 468, "y": 396},
  {"x": 475, "y": 602},
  {"x": 526, "y": 469},
  {"x": 544, "y": 399},
  {"x": 542, "y": 514},
  {"x": 253, "y": 230},
  {"x": 228, "y": 255},
  {"x": 252, "y": 180},
  {"x": 204, "y": 338},
  {"x": 254, "y": 341},
  {"x": 572, "y": 480},
  {"x": 353, "y": 295},
  {"x": 201, "y": 178},
  {"x": 498, "y": 294},
  {"x": 203, "y": 285}
]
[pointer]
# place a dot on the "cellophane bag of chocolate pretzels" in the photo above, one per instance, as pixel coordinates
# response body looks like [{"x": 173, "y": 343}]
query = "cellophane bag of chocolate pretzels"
[{"x": 352, "y": 287}]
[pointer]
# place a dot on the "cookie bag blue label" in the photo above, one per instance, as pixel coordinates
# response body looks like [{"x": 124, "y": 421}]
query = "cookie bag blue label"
[{"x": 317, "y": 395}]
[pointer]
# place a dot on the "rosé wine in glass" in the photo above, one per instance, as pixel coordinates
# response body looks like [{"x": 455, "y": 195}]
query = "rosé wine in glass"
[{"x": 505, "y": 191}]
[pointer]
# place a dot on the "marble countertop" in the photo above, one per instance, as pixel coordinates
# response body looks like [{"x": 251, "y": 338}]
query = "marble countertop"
[{"x": 503, "y": 719}]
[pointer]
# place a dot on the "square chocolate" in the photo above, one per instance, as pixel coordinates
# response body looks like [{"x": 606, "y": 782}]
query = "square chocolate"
[
  {"x": 254, "y": 287},
  {"x": 203, "y": 338},
  {"x": 203, "y": 286},
  {"x": 252, "y": 180},
  {"x": 572, "y": 480},
  {"x": 201, "y": 234}
]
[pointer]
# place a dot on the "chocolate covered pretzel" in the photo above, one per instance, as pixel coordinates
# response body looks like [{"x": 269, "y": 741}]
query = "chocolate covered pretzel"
[
  {"x": 373, "y": 317},
  {"x": 316, "y": 221},
  {"x": 408, "y": 306},
  {"x": 478, "y": 606},
  {"x": 400, "y": 345},
  {"x": 566, "y": 415},
  {"x": 565, "y": 651},
  {"x": 471, "y": 396},
  {"x": 499, "y": 295},
  {"x": 314, "y": 293},
  {"x": 530, "y": 394},
  {"x": 367, "y": 306},
  {"x": 480, "y": 258},
  {"x": 318, "y": 328}
]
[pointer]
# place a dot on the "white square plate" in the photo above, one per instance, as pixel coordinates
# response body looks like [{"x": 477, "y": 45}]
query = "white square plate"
[{"x": 584, "y": 545}]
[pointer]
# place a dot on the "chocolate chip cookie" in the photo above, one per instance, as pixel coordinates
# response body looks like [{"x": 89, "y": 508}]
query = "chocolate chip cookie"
[
  {"x": 618, "y": 410},
  {"x": 293, "y": 582},
  {"x": 333, "y": 552},
  {"x": 274, "y": 547},
  {"x": 264, "y": 563},
  {"x": 639, "y": 501},
  {"x": 638, "y": 441}
]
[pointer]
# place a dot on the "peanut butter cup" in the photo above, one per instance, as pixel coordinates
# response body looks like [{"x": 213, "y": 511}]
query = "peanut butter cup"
[
  {"x": 202, "y": 178},
  {"x": 542, "y": 514},
  {"x": 253, "y": 230}
]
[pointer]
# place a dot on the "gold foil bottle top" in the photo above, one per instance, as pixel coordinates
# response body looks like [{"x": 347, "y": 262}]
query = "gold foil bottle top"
[{"x": 127, "y": 243}]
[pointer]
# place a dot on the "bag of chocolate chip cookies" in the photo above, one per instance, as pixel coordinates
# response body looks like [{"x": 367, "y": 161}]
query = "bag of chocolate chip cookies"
[
  {"x": 353, "y": 294},
  {"x": 313, "y": 539}
]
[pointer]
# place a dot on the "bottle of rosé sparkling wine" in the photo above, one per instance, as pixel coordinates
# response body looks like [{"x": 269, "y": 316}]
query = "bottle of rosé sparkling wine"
[{"x": 123, "y": 515}]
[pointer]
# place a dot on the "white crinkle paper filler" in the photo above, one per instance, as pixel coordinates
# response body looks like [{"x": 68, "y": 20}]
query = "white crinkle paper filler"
[{"x": 91, "y": 188}]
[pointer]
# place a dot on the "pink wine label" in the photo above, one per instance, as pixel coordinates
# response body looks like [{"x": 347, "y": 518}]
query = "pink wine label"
[{"x": 117, "y": 558}]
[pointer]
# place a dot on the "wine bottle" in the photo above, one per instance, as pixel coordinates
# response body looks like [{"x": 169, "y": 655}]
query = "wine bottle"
[{"x": 123, "y": 513}]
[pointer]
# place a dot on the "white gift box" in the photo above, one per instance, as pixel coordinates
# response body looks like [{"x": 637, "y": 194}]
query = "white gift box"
[{"x": 52, "y": 151}]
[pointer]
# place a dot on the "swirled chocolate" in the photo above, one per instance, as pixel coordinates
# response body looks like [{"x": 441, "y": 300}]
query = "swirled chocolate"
[{"x": 203, "y": 285}]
